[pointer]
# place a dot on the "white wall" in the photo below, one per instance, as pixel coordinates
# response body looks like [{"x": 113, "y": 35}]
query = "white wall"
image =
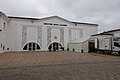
[
  {"x": 44, "y": 38},
  {"x": 88, "y": 30},
  {"x": 3, "y": 35},
  {"x": 76, "y": 46},
  {"x": 15, "y": 36},
  {"x": 66, "y": 37}
]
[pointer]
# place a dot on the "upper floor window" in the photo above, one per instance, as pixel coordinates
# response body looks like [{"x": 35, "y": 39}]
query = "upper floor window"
[
  {"x": 55, "y": 24},
  {"x": 4, "y": 26},
  {"x": 1, "y": 45}
]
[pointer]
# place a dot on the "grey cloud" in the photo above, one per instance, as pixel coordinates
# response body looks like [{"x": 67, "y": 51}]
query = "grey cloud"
[{"x": 103, "y": 12}]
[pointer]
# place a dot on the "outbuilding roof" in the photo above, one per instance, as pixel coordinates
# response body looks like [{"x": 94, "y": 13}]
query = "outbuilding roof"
[
  {"x": 101, "y": 34},
  {"x": 111, "y": 31},
  {"x": 107, "y": 32}
]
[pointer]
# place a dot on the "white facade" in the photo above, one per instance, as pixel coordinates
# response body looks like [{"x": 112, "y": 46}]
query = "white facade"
[
  {"x": 18, "y": 33},
  {"x": 3, "y": 32}
]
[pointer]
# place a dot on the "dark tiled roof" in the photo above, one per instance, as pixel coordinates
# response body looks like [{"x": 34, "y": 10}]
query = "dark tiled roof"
[
  {"x": 101, "y": 34},
  {"x": 23, "y": 18}
]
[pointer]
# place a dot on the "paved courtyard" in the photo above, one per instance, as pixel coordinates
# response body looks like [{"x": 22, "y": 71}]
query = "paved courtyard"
[{"x": 61, "y": 65}]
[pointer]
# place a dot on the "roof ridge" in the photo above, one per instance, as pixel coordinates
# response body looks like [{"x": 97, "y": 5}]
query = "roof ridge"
[{"x": 32, "y": 18}]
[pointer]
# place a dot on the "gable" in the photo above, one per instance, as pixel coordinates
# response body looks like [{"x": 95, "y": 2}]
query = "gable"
[
  {"x": 55, "y": 20},
  {"x": 3, "y": 16}
]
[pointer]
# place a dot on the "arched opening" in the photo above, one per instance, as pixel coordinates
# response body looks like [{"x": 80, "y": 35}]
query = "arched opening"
[
  {"x": 31, "y": 47},
  {"x": 55, "y": 46}
]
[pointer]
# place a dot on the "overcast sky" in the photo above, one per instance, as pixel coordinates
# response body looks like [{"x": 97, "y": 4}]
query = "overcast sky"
[{"x": 106, "y": 13}]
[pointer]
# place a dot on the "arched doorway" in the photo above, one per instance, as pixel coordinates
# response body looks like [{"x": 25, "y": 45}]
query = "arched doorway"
[
  {"x": 55, "y": 46},
  {"x": 31, "y": 47}
]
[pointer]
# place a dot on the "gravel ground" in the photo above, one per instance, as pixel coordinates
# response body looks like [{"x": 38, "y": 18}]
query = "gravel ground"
[{"x": 61, "y": 65}]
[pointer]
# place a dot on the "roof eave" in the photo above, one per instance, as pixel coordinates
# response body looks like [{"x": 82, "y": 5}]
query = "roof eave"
[
  {"x": 23, "y": 18},
  {"x": 85, "y": 23}
]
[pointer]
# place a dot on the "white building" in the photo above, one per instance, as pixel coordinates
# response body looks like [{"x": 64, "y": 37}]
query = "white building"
[{"x": 23, "y": 34}]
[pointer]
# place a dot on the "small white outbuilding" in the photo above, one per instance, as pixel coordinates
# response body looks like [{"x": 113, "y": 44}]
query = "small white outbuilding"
[{"x": 82, "y": 46}]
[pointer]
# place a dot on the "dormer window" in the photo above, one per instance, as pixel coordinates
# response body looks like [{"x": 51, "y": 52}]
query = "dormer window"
[{"x": 4, "y": 26}]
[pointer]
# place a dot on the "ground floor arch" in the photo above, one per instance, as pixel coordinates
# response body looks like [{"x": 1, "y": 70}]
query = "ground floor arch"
[
  {"x": 55, "y": 46},
  {"x": 32, "y": 46}
]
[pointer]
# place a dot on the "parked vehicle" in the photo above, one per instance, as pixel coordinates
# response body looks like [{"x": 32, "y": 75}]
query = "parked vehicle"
[{"x": 107, "y": 45}]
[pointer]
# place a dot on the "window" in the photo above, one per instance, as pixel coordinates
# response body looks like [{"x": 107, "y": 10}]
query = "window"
[
  {"x": 80, "y": 33},
  {"x": 47, "y": 23},
  {"x": 55, "y": 46},
  {"x": 75, "y": 34},
  {"x": 38, "y": 47},
  {"x": 55, "y": 24},
  {"x": 32, "y": 34},
  {"x": 1, "y": 45},
  {"x": 63, "y": 25},
  {"x": 31, "y": 47},
  {"x": 25, "y": 47},
  {"x": 4, "y": 26},
  {"x": 55, "y": 37},
  {"x": 3, "y": 48},
  {"x": 116, "y": 44}
]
